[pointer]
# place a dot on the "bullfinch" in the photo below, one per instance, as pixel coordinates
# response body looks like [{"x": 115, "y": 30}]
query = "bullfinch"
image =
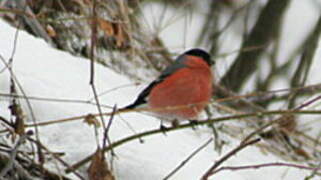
[{"x": 182, "y": 90}]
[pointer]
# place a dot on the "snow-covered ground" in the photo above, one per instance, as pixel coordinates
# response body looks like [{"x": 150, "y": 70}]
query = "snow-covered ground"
[{"x": 49, "y": 73}]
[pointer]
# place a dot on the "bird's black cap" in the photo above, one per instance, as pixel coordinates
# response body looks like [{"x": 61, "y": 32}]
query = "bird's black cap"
[{"x": 200, "y": 53}]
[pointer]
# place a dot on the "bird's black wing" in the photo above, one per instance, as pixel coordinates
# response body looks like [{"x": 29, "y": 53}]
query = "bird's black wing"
[{"x": 142, "y": 98}]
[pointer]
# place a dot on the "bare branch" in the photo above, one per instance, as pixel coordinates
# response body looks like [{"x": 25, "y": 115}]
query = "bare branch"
[
  {"x": 187, "y": 159},
  {"x": 13, "y": 154},
  {"x": 276, "y": 164},
  {"x": 211, "y": 170},
  {"x": 262, "y": 34}
]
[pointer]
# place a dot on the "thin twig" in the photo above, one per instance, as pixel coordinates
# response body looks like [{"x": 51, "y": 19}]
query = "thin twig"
[
  {"x": 236, "y": 168},
  {"x": 15, "y": 79},
  {"x": 272, "y": 112},
  {"x": 33, "y": 23},
  {"x": 246, "y": 62},
  {"x": 13, "y": 154},
  {"x": 187, "y": 159},
  {"x": 92, "y": 62},
  {"x": 257, "y": 131},
  {"x": 279, "y": 119},
  {"x": 308, "y": 103},
  {"x": 17, "y": 12},
  {"x": 62, "y": 100},
  {"x": 303, "y": 68},
  {"x": 314, "y": 172},
  {"x": 210, "y": 171},
  {"x": 65, "y": 164},
  {"x": 40, "y": 145},
  {"x": 107, "y": 138},
  {"x": 114, "y": 89}
]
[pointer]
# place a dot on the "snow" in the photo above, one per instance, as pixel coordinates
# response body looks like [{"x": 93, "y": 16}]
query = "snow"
[{"x": 50, "y": 73}]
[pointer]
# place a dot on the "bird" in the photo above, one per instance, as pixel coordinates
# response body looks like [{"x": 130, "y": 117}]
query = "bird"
[{"x": 182, "y": 90}]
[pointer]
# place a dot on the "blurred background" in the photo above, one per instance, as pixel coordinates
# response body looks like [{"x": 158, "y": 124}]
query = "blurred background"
[{"x": 267, "y": 55}]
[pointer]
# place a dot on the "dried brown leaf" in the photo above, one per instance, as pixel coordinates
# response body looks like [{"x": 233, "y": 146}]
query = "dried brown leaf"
[
  {"x": 19, "y": 126},
  {"x": 287, "y": 123},
  {"x": 120, "y": 36},
  {"x": 50, "y": 30},
  {"x": 17, "y": 112},
  {"x": 302, "y": 153},
  {"x": 92, "y": 120},
  {"x": 98, "y": 169},
  {"x": 115, "y": 30},
  {"x": 106, "y": 26}
]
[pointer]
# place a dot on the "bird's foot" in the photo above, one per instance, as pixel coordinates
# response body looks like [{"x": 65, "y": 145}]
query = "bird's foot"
[
  {"x": 193, "y": 123},
  {"x": 163, "y": 128}
]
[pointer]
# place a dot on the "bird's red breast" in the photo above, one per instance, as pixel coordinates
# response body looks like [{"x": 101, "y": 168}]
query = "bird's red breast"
[{"x": 185, "y": 93}]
